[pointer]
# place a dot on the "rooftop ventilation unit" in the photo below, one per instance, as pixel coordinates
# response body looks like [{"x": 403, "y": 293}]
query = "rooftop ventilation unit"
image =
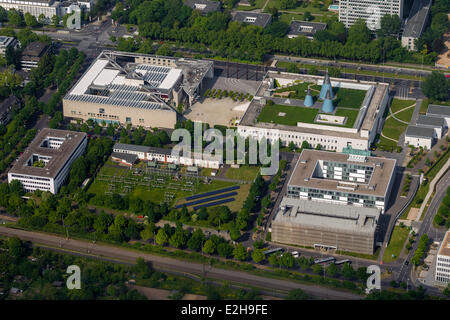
[{"x": 303, "y": 161}]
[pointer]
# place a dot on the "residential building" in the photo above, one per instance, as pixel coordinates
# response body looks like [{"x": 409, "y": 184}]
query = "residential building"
[
  {"x": 419, "y": 136},
  {"x": 6, "y": 107},
  {"x": 369, "y": 10},
  {"x": 253, "y": 18},
  {"x": 326, "y": 226},
  {"x": 204, "y": 6},
  {"x": 352, "y": 178},
  {"x": 304, "y": 28},
  {"x": 6, "y": 42},
  {"x": 46, "y": 163},
  {"x": 443, "y": 261},
  {"x": 416, "y": 23},
  {"x": 33, "y": 53},
  {"x": 140, "y": 89}
]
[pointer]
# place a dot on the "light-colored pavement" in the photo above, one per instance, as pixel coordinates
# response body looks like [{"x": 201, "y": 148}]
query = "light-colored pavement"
[{"x": 163, "y": 263}]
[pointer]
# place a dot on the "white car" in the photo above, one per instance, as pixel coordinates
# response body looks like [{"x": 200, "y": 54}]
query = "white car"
[{"x": 295, "y": 254}]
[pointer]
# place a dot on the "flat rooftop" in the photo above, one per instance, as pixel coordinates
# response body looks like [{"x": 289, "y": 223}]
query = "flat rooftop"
[
  {"x": 332, "y": 217},
  {"x": 204, "y": 6},
  {"x": 444, "y": 249},
  {"x": 430, "y": 121},
  {"x": 58, "y": 157},
  {"x": 416, "y": 21},
  {"x": 5, "y": 41},
  {"x": 305, "y": 28},
  {"x": 254, "y": 18},
  {"x": 303, "y": 174},
  {"x": 420, "y": 132},
  {"x": 435, "y": 109},
  {"x": 137, "y": 148},
  {"x": 35, "y": 49}
]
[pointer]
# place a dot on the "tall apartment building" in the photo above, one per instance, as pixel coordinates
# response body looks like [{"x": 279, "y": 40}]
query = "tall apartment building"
[
  {"x": 443, "y": 261},
  {"x": 46, "y": 162},
  {"x": 369, "y": 10}
]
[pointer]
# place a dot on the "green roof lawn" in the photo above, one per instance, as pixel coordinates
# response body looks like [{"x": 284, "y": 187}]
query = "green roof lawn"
[
  {"x": 294, "y": 114},
  {"x": 348, "y": 98}
]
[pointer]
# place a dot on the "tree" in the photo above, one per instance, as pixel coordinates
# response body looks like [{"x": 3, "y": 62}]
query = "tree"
[
  {"x": 348, "y": 272},
  {"x": 287, "y": 260},
  {"x": 225, "y": 250},
  {"x": 3, "y": 14},
  {"x": 148, "y": 232},
  {"x": 161, "y": 237},
  {"x": 436, "y": 86},
  {"x": 42, "y": 19},
  {"x": 332, "y": 270},
  {"x": 209, "y": 247},
  {"x": 195, "y": 242},
  {"x": 359, "y": 33},
  {"x": 317, "y": 269},
  {"x": 178, "y": 239},
  {"x": 305, "y": 144},
  {"x": 389, "y": 26},
  {"x": 14, "y": 17},
  {"x": 307, "y": 16},
  {"x": 258, "y": 255},
  {"x": 15, "y": 247},
  {"x": 55, "y": 20},
  {"x": 297, "y": 294},
  {"x": 30, "y": 20},
  {"x": 240, "y": 253}
]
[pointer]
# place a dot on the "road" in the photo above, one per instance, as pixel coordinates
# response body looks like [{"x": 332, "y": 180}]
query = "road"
[
  {"x": 426, "y": 227},
  {"x": 163, "y": 263}
]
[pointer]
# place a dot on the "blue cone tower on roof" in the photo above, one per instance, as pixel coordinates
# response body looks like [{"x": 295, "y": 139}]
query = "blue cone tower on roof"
[
  {"x": 308, "y": 99},
  {"x": 326, "y": 86},
  {"x": 327, "y": 105}
]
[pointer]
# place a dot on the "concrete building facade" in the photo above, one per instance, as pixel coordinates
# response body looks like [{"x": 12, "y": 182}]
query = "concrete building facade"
[
  {"x": 45, "y": 164},
  {"x": 442, "y": 275}
]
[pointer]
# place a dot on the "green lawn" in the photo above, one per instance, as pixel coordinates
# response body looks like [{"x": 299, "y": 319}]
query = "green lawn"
[
  {"x": 393, "y": 129},
  {"x": 305, "y": 6},
  {"x": 293, "y": 114},
  {"x": 398, "y": 104},
  {"x": 350, "y": 114},
  {"x": 398, "y": 238},
  {"x": 154, "y": 193},
  {"x": 349, "y": 98},
  {"x": 247, "y": 173},
  {"x": 258, "y": 5},
  {"x": 300, "y": 90},
  {"x": 405, "y": 115}
]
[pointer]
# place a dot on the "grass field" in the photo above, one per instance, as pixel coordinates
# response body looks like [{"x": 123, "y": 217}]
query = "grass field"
[
  {"x": 398, "y": 104},
  {"x": 300, "y": 90},
  {"x": 305, "y": 6},
  {"x": 258, "y": 5},
  {"x": 398, "y": 238},
  {"x": 405, "y": 115},
  {"x": 156, "y": 194},
  {"x": 349, "y": 98},
  {"x": 247, "y": 173},
  {"x": 293, "y": 114}
]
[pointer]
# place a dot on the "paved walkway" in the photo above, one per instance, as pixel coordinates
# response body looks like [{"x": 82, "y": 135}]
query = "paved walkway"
[
  {"x": 393, "y": 114},
  {"x": 431, "y": 190}
]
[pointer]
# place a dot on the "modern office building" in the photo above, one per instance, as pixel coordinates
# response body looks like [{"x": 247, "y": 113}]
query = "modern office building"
[
  {"x": 253, "y": 18},
  {"x": 437, "y": 123},
  {"x": 369, "y": 10},
  {"x": 45, "y": 164},
  {"x": 332, "y": 131},
  {"x": 6, "y": 42},
  {"x": 352, "y": 178},
  {"x": 165, "y": 156},
  {"x": 48, "y": 8},
  {"x": 33, "y": 53},
  {"x": 416, "y": 23},
  {"x": 326, "y": 226},
  {"x": 304, "y": 28},
  {"x": 140, "y": 89},
  {"x": 442, "y": 275}
]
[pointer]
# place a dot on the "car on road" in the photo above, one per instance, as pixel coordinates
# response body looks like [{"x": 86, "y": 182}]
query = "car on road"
[
  {"x": 295, "y": 254},
  {"x": 406, "y": 262}
]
